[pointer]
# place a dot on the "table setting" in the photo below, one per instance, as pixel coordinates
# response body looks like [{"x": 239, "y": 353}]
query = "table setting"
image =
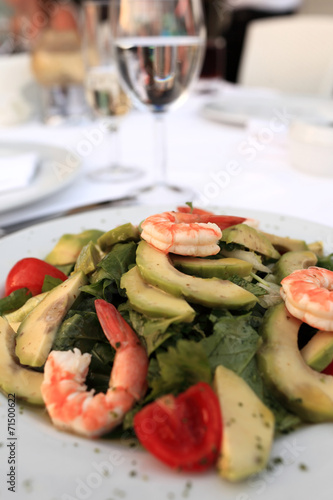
[{"x": 141, "y": 144}]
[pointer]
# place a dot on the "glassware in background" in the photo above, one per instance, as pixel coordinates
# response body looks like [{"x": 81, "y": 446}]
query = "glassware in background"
[
  {"x": 104, "y": 94},
  {"x": 160, "y": 47},
  {"x": 58, "y": 68}
]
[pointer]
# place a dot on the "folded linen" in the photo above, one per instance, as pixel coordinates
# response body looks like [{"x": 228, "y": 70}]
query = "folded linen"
[{"x": 17, "y": 171}]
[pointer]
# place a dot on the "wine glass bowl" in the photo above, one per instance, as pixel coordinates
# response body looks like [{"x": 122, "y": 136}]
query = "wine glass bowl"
[
  {"x": 159, "y": 52},
  {"x": 104, "y": 93}
]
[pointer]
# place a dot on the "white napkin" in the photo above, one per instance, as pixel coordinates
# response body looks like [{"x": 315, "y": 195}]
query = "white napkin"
[{"x": 17, "y": 171}]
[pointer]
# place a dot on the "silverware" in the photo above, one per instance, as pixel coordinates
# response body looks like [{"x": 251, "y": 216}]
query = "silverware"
[{"x": 121, "y": 202}]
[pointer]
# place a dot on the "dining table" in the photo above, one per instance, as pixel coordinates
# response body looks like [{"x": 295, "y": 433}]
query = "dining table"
[
  {"x": 230, "y": 148},
  {"x": 230, "y": 145}
]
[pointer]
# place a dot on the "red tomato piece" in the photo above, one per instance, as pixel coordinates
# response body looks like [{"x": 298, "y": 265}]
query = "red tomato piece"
[
  {"x": 188, "y": 210},
  {"x": 222, "y": 221},
  {"x": 329, "y": 369},
  {"x": 184, "y": 432},
  {"x": 30, "y": 273}
]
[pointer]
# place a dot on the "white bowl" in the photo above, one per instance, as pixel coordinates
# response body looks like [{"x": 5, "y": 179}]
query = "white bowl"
[{"x": 311, "y": 146}]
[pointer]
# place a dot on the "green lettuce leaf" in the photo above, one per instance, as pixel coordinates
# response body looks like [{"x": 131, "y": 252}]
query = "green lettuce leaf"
[
  {"x": 176, "y": 369},
  {"x": 14, "y": 301},
  {"x": 234, "y": 342},
  {"x": 326, "y": 262},
  {"x": 50, "y": 282},
  {"x": 257, "y": 290},
  {"x": 105, "y": 281}
]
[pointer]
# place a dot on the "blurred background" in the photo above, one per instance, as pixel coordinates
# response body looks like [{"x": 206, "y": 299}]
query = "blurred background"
[
  {"x": 48, "y": 92},
  {"x": 49, "y": 31}
]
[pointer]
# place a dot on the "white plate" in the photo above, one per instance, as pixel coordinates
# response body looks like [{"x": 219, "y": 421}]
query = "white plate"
[
  {"x": 57, "y": 168},
  {"x": 238, "y": 108},
  {"x": 56, "y": 466}
]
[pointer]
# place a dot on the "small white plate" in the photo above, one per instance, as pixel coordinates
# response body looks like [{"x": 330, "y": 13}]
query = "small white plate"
[
  {"x": 237, "y": 108},
  {"x": 53, "y": 465},
  {"x": 57, "y": 168}
]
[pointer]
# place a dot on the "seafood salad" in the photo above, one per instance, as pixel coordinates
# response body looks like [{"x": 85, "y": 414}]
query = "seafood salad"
[{"x": 200, "y": 335}]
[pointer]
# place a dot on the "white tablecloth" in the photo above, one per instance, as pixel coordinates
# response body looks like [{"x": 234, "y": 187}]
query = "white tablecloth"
[{"x": 247, "y": 167}]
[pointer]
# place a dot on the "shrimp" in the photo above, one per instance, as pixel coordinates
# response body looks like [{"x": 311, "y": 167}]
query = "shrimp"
[
  {"x": 308, "y": 296},
  {"x": 70, "y": 406},
  {"x": 182, "y": 234}
]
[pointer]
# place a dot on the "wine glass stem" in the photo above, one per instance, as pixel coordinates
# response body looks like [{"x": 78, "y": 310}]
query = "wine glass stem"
[
  {"x": 114, "y": 146},
  {"x": 160, "y": 166}
]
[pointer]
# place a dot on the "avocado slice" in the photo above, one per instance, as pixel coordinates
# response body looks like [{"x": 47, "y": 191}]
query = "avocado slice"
[
  {"x": 291, "y": 261},
  {"x": 211, "y": 268},
  {"x": 304, "y": 391},
  {"x": 20, "y": 314},
  {"x": 316, "y": 247},
  {"x": 125, "y": 232},
  {"x": 155, "y": 267},
  {"x": 248, "y": 256},
  {"x": 250, "y": 238},
  {"x": 318, "y": 352},
  {"x": 36, "y": 333},
  {"x": 248, "y": 427},
  {"x": 88, "y": 258},
  {"x": 67, "y": 249},
  {"x": 152, "y": 301},
  {"x": 16, "y": 379},
  {"x": 285, "y": 244}
]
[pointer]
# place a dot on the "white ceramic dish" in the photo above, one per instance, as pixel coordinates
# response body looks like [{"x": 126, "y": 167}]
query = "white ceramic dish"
[
  {"x": 56, "y": 466},
  {"x": 57, "y": 169},
  {"x": 237, "y": 108}
]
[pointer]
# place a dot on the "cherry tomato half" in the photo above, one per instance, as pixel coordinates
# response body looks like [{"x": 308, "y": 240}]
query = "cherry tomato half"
[
  {"x": 184, "y": 432},
  {"x": 222, "y": 221},
  {"x": 30, "y": 273},
  {"x": 329, "y": 369},
  {"x": 188, "y": 210}
]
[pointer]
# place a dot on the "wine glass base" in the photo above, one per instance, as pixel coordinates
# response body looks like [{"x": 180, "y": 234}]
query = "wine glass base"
[
  {"x": 165, "y": 193},
  {"x": 116, "y": 174}
]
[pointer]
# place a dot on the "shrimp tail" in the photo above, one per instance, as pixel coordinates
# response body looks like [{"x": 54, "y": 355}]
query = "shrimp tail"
[
  {"x": 115, "y": 328},
  {"x": 131, "y": 366}
]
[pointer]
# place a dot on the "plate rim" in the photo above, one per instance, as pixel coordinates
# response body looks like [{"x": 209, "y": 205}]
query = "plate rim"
[
  {"x": 30, "y": 198},
  {"x": 213, "y": 109}
]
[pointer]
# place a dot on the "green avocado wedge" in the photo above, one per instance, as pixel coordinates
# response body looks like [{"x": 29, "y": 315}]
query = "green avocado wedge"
[
  {"x": 69, "y": 246},
  {"x": 36, "y": 333},
  {"x": 304, "y": 391},
  {"x": 156, "y": 268},
  {"x": 291, "y": 261},
  {"x": 20, "y": 314},
  {"x": 125, "y": 232},
  {"x": 211, "y": 268},
  {"x": 88, "y": 258},
  {"x": 248, "y": 429},
  {"x": 153, "y": 302},
  {"x": 318, "y": 352},
  {"x": 14, "y": 378},
  {"x": 250, "y": 238},
  {"x": 285, "y": 244}
]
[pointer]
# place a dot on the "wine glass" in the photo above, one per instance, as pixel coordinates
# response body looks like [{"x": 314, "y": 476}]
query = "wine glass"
[
  {"x": 159, "y": 52},
  {"x": 56, "y": 63},
  {"x": 104, "y": 93}
]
